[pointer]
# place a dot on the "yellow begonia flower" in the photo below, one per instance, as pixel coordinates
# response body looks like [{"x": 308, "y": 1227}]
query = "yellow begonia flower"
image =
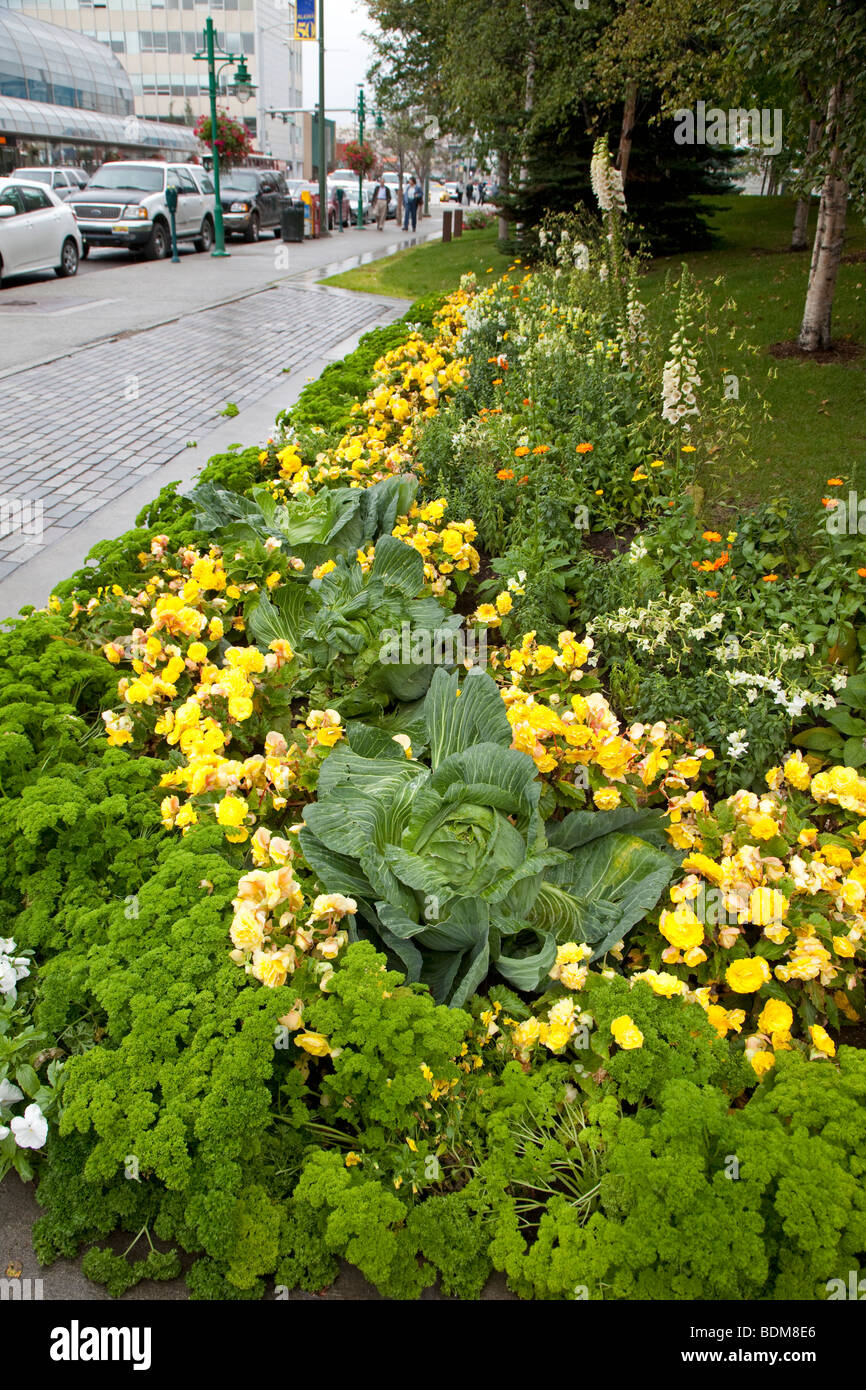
[
  {"x": 747, "y": 976},
  {"x": 626, "y": 1033},
  {"x": 776, "y": 1017},
  {"x": 314, "y": 1043},
  {"x": 762, "y": 1062},
  {"x": 231, "y": 811},
  {"x": 822, "y": 1041}
]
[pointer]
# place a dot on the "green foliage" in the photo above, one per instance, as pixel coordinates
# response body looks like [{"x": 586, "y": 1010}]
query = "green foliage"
[
  {"x": 119, "y": 1275},
  {"x": 702, "y": 1202},
  {"x": 349, "y": 630},
  {"x": 387, "y": 1031},
  {"x": 455, "y": 1241},
  {"x": 327, "y": 402},
  {"x": 365, "y": 1224},
  {"x": 679, "y": 1042}
]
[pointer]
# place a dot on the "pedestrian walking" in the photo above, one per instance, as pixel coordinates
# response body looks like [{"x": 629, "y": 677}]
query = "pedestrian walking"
[
  {"x": 469, "y": 192},
  {"x": 381, "y": 199},
  {"x": 410, "y": 205}
]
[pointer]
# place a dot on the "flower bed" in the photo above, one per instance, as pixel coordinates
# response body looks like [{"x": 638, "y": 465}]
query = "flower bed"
[{"x": 391, "y": 878}]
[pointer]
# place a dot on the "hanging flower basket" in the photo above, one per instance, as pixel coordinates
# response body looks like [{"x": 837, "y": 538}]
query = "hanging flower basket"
[
  {"x": 360, "y": 157},
  {"x": 233, "y": 141}
]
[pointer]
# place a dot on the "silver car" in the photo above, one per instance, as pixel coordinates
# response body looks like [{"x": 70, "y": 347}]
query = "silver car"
[{"x": 63, "y": 180}]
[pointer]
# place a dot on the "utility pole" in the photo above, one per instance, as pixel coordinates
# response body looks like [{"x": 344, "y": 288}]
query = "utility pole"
[{"x": 323, "y": 173}]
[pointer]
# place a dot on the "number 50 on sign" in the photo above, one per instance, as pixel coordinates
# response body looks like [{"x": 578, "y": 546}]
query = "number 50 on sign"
[{"x": 305, "y": 19}]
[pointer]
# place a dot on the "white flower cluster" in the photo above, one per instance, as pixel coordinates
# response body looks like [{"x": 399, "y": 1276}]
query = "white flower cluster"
[
  {"x": 634, "y": 332},
  {"x": 667, "y": 631},
  {"x": 30, "y": 1129},
  {"x": 12, "y": 969},
  {"x": 737, "y": 744},
  {"x": 636, "y": 551},
  {"x": 679, "y": 381},
  {"x": 571, "y": 252},
  {"x": 793, "y": 699},
  {"x": 606, "y": 181}
]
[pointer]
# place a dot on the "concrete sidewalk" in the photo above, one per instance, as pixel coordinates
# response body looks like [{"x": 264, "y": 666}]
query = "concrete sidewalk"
[{"x": 132, "y": 407}]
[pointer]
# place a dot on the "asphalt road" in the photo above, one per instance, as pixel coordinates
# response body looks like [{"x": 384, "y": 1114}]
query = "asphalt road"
[{"x": 114, "y": 294}]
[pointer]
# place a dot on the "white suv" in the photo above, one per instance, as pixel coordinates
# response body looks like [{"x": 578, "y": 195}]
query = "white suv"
[{"x": 124, "y": 204}]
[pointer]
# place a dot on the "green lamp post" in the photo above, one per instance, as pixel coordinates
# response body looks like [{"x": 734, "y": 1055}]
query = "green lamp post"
[
  {"x": 361, "y": 114},
  {"x": 244, "y": 88}
]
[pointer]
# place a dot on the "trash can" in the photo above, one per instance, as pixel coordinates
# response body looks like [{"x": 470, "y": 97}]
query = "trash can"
[{"x": 292, "y": 220}]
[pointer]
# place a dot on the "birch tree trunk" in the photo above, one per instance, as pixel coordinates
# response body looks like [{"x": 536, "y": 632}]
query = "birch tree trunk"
[
  {"x": 829, "y": 238},
  {"x": 627, "y": 131},
  {"x": 801, "y": 211}
]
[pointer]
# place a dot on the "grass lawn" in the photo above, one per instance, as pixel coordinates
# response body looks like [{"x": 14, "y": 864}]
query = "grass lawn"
[
  {"x": 432, "y": 269},
  {"x": 817, "y": 428},
  {"x": 818, "y": 425}
]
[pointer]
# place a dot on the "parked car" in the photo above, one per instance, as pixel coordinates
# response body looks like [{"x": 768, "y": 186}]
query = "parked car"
[
  {"x": 350, "y": 196},
  {"x": 124, "y": 205},
  {"x": 251, "y": 201},
  {"x": 298, "y": 186},
  {"x": 37, "y": 230},
  {"x": 64, "y": 180}
]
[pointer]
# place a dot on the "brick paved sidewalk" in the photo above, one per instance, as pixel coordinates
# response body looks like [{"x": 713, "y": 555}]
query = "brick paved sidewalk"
[{"x": 79, "y": 432}]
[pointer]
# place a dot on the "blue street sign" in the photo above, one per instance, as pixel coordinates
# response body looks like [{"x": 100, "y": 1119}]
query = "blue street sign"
[{"x": 305, "y": 19}]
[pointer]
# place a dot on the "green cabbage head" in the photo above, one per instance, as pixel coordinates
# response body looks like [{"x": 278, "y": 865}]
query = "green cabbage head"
[{"x": 450, "y": 861}]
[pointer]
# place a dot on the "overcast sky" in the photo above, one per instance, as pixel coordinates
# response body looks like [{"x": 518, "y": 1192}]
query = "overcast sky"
[{"x": 347, "y": 58}]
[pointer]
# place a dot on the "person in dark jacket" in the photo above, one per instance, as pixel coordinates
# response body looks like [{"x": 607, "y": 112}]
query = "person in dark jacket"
[{"x": 411, "y": 199}]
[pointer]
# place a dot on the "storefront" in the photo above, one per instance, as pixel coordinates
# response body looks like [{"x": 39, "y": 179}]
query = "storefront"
[
  {"x": 34, "y": 132},
  {"x": 65, "y": 99}
]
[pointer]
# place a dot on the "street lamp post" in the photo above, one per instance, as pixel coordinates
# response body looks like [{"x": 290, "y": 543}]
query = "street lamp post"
[
  {"x": 323, "y": 172},
  {"x": 243, "y": 91},
  {"x": 361, "y": 114}
]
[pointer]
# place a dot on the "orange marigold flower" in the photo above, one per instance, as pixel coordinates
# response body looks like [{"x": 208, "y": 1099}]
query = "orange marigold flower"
[
  {"x": 829, "y": 501},
  {"x": 583, "y": 449},
  {"x": 708, "y": 566},
  {"x": 524, "y": 479},
  {"x": 527, "y": 401},
  {"x": 711, "y": 593},
  {"x": 862, "y": 573},
  {"x": 521, "y": 451},
  {"x": 769, "y": 578},
  {"x": 711, "y": 536},
  {"x": 834, "y": 482},
  {"x": 497, "y": 381},
  {"x": 541, "y": 449},
  {"x": 505, "y": 473}
]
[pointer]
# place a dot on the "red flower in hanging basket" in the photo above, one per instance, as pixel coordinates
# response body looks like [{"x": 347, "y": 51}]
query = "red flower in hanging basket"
[
  {"x": 233, "y": 141},
  {"x": 360, "y": 157}
]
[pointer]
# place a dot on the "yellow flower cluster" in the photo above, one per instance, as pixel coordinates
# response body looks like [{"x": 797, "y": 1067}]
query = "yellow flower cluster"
[
  {"x": 574, "y": 731},
  {"x": 786, "y": 901},
  {"x": 409, "y": 383},
  {"x": 266, "y": 934},
  {"x": 554, "y": 1032},
  {"x": 444, "y": 550}
]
